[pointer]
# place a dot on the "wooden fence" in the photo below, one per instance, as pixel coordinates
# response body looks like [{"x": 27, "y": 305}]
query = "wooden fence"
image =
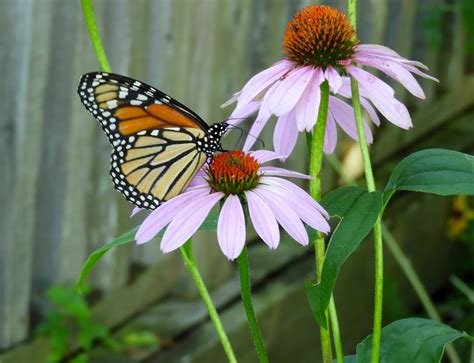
[{"x": 57, "y": 203}]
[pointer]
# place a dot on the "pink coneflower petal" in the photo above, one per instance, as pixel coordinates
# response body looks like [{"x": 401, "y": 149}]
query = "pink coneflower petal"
[
  {"x": 385, "y": 53},
  {"x": 310, "y": 216},
  {"x": 285, "y": 135},
  {"x": 188, "y": 220},
  {"x": 258, "y": 83},
  {"x": 330, "y": 136},
  {"x": 276, "y": 171},
  {"x": 256, "y": 129},
  {"x": 263, "y": 156},
  {"x": 395, "y": 71},
  {"x": 240, "y": 114},
  {"x": 297, "y": 192},
  {"x": 263, "y": 220},
  {"x": 231, "y": 228},
  {"x": 161, "y": 216},
  {"x": 306, "y": 110},
  {"x": 382, "y": 95},
  {"x": 334, "y": 79},
  {"x": 284, "y": 95},
  {"x": 415, "y": 70},
  {"x": 283, "y": 213},
  {"x": 344, "y": 116},
  {"x": 370, "y": 111}
]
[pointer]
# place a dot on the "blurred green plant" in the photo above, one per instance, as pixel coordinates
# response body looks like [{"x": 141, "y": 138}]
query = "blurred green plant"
[
  {"x": 70, "y": 325},
  {"x": 434, "y": 22}
]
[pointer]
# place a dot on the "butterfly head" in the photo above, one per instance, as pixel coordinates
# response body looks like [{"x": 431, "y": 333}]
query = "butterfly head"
[{"x": 211, "y": 142}]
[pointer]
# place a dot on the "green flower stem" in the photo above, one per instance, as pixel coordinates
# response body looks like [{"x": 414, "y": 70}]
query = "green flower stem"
[
  {"x": 246, "y": 293},
  {"x": 186, "y": 250},
  {"x": 403, "y": 261},
  {"x": 335, "y": 331},
  {"x": 378, "y": 246},
  {"x": 315, "y": 166},
  {"x": 88, "y": 10},
  {"x": 369, "y": 177},
  {"x": 187, "y": 254}
]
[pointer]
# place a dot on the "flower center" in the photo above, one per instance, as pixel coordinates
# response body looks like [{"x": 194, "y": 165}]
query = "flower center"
[
  {"x": 320, "y": 36},
  {"x": 233, "y": 172}
]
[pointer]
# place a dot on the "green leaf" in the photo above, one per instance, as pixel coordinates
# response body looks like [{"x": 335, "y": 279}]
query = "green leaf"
[
  {"x": 411, "y": 340},
  {"x": 436, "y": 171},
  {"x": 359, "y": 211},
  {"x": 95, "y": 256},
  {"x": 210, "y": 223}
]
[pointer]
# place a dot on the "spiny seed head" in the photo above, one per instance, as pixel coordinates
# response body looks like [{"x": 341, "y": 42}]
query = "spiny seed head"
[
  {"x": 320, "y": 36},
  {"x": 233, "y": 172}
]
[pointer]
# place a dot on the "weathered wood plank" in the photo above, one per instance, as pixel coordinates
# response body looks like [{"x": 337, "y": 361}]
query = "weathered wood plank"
[{"x": 23, "y": 55}]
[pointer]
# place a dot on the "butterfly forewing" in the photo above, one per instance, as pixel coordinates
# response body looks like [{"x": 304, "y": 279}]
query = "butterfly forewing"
[{"x": 156, "y": 140}]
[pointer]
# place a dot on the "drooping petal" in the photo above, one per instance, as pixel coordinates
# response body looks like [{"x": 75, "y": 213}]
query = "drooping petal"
[
  {"x": 310, "y": 216},
  {"x": 240, "y": 114},
  {"x": 330, "y": 136},
  {"x": 344, "y": 116},
  {"x": 274, "y": 170},
  {"x": 256, "y": 129},
  {"x": 285, "y": 135},
  {"x": 287, "y": 92},
  {"x": 334, "y": 79},
  {"x": 395, "y": 71},
  {"x": 306, "y": 110},
  {"x": 382, "y": 96},
  {"x": 382, "y": 52},
  {"x": 263, "y": 220},
  {"x": 346, "y": 91},
  {"x": 231, "y": 228},
  {"x": 283, "y": 213},
  {"x": 258, "y": 83},
  {"x": 231, "y": 100},
  {"x": 298, "y": 193},
  {"x": 370, "y": 111},
  {"x": 188, "y": 220},
  {"x": 163, "y": 214},
  {"x": 263, "y": 156},
  {"x": 415, "y": 70}
]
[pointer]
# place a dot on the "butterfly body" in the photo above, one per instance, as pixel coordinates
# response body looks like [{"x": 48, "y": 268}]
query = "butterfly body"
[{"x": 158, "y": 143}]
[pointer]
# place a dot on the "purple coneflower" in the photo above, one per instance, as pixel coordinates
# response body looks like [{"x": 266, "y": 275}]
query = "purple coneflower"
[
  {"x": 320, "y": 45},
  {"x": 239, "y": 181}
]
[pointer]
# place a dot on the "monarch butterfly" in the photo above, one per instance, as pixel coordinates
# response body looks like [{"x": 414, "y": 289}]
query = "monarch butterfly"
[{"x": 158, "y": 143}]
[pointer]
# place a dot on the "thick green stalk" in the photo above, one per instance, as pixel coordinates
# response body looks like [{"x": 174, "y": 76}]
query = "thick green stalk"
[
  {"x": 315, "y": 166},
  {"x": 88, "y": 10},
  {"x": 187, "y": 254},
  {"x": 246, "y": 293},
  {"x": 186, "y": 250},
  {"x": 369, "y": 177}
]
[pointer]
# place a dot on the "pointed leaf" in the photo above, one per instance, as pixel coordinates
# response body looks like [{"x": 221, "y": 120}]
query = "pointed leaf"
[
  {"x": 437, "y": 171},
  {"x": 411, "y": 340},
  {"x": 359, "y": 211}
]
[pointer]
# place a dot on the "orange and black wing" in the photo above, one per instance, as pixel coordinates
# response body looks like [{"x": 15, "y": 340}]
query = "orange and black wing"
[{"x": 154, "y": 137}]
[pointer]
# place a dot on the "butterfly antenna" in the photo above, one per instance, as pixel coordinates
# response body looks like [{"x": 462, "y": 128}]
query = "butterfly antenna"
[{"x": 242, "y": 132}]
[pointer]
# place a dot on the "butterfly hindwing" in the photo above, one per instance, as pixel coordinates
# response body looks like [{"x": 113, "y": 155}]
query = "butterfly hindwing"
[{"x": 154, "y": 166}]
